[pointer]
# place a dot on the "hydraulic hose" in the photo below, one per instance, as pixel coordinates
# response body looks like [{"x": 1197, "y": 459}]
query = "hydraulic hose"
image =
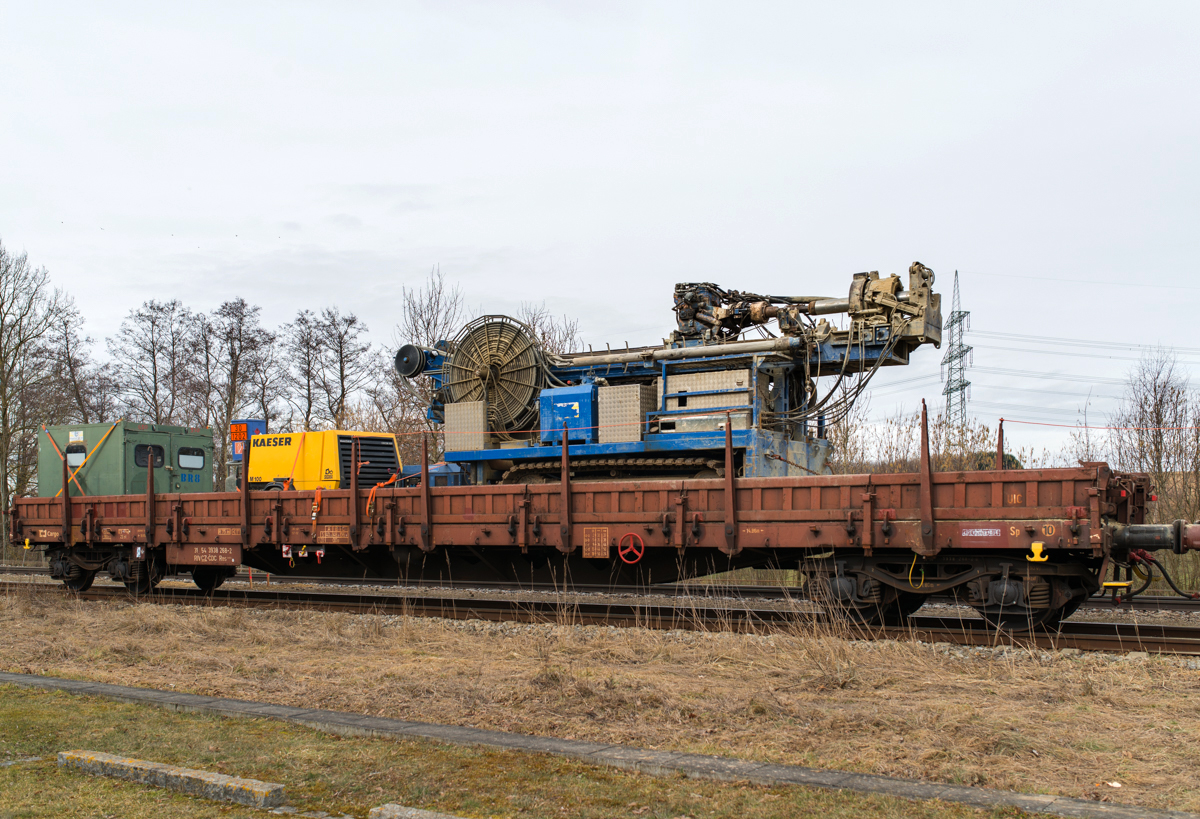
[{"x": 1170, "y": 582}]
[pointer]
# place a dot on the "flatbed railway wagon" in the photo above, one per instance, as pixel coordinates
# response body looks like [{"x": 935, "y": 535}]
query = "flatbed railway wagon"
[{"x": 1024, "y": 547}]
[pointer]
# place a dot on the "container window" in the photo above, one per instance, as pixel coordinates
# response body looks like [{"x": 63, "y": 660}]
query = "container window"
[
  {"x": 191, "y": 458},
  {"x": 141, "y": 455},
  {"x": 76, "y": 453}
]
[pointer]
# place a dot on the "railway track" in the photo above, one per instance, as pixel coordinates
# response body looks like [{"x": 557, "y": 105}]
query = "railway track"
[
  {"x": 690, "y": 614},
  {"x": 719, "y": 590}
]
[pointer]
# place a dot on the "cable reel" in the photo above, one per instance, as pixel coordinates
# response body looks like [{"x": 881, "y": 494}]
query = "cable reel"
[{"x": 497, "y": 359}]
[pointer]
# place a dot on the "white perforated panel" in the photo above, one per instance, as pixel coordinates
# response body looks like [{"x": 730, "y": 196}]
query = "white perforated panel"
[
  {"x": 623, "y": 411},
  {"x": 466, "y": 426}
]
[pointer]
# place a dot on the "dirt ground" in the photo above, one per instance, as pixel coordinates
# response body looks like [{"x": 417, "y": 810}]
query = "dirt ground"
[{"x": 1052, "y": 722}]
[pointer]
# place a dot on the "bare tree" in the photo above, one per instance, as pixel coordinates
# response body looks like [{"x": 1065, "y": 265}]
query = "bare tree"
[
  {"x": 153, "y": 352},
  {"x": 87, "y": 387},
  {"x": 30, "y": 309},
  {"x": 1086, "y": 445},
  {"x": 556, "y": 335},
  {"x": 227, "y": 342},
  {"x": 302, "y": 358},
  {"x": 850, "y": 441},
  {"x": 432, "y": 313},
  {"x": 203, "y": 390},
  {"x": 1155, "y": 432},
  {"x": 345, "y": 362},
  {"x": 268, "y": 379},
  {"x": 893, "y": 445}
]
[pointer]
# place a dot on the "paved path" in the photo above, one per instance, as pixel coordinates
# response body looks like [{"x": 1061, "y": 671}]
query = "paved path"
[{"x": 620, "y": 756}]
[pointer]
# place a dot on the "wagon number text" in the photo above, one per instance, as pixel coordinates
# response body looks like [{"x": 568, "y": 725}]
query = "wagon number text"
[{"x": 1047, "y": 530}]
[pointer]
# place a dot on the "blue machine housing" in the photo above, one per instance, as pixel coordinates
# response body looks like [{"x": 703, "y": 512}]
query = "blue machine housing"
[
  {"x": 765, "y": 387},
  {"x": 573, "y": 406},
  {"x": 440, "y": 474},
  {"x": 796, "y": 449}
]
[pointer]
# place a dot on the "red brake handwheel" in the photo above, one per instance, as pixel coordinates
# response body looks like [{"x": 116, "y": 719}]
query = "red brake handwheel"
[{"x": 632, "y": 551}]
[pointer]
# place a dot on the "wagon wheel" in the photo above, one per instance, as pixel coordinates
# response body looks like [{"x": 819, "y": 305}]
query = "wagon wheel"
[
  {"x": 904, "y": 606},
  {"x": 139, "y": 585},
  {"x": 80, "y": 579},
  {"x": 893, "y": 611},
  {"x": 1019, "y": 619},
  {"x": 144, "y": 576},
  {"x": 208, "y": 580},
  {"x": 870, "y": 615}
]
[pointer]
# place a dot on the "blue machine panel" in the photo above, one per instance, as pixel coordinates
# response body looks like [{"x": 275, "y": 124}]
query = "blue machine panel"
[
  {"x": 440, "y": 474},
  {"x": 574, "y": 406}
]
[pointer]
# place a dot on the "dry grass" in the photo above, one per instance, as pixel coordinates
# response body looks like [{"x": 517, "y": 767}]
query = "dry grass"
[
  {"x": 1016, "y": 720},
  {"x": 323, "y": 772}
]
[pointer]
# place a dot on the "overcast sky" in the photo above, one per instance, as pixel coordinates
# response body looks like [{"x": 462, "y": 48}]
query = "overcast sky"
[{"x": 302, "y": 154}]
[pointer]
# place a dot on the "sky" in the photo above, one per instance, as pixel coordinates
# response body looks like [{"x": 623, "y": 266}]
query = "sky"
[{"x": 591, "y": 155}]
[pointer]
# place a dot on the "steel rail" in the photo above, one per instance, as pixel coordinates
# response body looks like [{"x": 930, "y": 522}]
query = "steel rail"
[
  {"x": 1148, "y": 602},
  {"x": 689, "y": 615}
]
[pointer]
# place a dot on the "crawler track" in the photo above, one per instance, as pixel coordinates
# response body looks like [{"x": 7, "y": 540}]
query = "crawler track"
[{"x": 689, "y": 613}]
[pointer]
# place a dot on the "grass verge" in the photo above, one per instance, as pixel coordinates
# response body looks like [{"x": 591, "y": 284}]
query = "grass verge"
[
  {"x": 331, "y": 773},
  {"x": 1025, "y": 721}
]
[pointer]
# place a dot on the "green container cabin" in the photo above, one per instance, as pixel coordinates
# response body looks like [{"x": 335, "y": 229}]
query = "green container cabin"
[{"x": 183, "y": 458}]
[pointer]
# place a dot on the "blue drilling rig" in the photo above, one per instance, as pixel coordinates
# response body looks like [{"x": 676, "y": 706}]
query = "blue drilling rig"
[{"x": 506, "y": 403}]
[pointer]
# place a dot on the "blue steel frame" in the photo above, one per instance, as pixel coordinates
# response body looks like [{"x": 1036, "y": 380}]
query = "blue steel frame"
[{"x": 753, "y": 444}]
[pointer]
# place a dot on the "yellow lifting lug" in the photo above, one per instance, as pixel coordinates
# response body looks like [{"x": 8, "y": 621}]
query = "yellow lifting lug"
[
  {"x": 1037, "y": 556},
  {"x": 1119, "y": 584}
]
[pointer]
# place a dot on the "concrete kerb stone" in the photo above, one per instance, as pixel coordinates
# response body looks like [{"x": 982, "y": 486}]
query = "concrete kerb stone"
[
  {"x": 1066, "y": 806},
  {"x": 775, "y": 774},
  {"x": 694, "y": 765},
  {"x": 351, "y": 725},
  {"x": 251, "y": 792},
  {"x": 562, "y": 747},
  {"x": 648, "y": 761},
  {"x": 453, "y": 734},
  {"x": 637, "y": 759},
  {"x": 903, "y": 788},
  {"x": 982, "y": 798},
  {"x": 394, "y": 811}
]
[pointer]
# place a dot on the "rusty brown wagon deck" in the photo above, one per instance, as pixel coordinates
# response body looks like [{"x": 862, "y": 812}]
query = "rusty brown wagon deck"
[{"x": 1007, "y": 509}]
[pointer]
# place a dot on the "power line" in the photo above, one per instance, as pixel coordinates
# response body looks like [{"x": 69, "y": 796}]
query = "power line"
[
  {"x": 928, "y": 377},
  {"x": 1027, "y": 408},
  {"x": 1058, "y": 352},
  {"x": 902, "y": 386},
  {"x": 1086, "y": 379},
  {"x": 1092, "y": 282},
  {"x": 1046, "y": 392},
  {"x": 913, "y": 383},
  {"x": 1079, "y": 342}
]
